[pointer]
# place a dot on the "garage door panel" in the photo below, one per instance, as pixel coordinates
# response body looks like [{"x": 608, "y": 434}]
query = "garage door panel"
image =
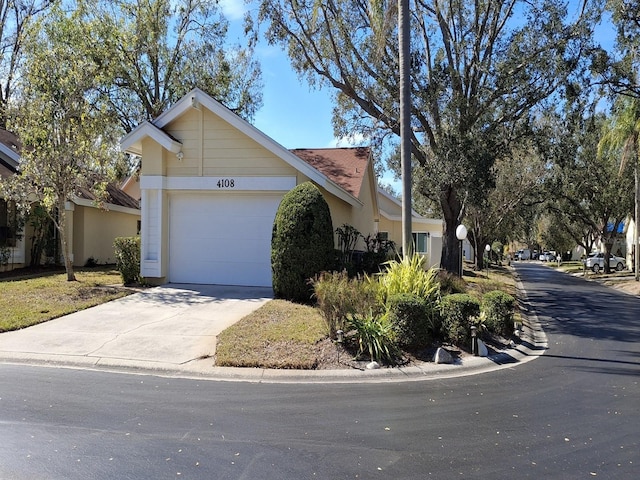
[{"x": 221, "y": 239}]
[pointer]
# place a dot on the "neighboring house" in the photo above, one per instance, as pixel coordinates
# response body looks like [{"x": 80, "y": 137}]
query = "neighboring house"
[
  {"x": 211, "y": 184},
  {"x": 11, "y": 241},
  {"x": 91, "y": 229},
  {"x": 427, "y": 232}
]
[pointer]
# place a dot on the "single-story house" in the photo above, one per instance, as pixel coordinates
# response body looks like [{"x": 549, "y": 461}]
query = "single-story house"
[
  {"x": 91, "y": 229},
  {"x": 211, "y": 183}
]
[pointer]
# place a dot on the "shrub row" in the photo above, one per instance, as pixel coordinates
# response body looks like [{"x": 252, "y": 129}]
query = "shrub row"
[{"x": 412, "y": 320}]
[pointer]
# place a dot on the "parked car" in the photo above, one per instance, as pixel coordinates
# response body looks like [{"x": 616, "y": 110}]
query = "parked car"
[
  {"x": 546, "y": 257},
  {"x": 523, "y": 254},
  {"x": 595, "y": 262}
]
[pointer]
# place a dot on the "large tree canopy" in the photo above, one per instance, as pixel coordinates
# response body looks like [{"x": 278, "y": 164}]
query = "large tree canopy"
[
  {"x": 162, "y": 49},
  {"x": 15, "y": 18},
  {"x": 477, "y": 70},
  {"x": 68, "y": 137}
]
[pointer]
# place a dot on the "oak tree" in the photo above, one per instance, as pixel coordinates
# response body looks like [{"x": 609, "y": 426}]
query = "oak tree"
[{"x": 477, "y": 70}]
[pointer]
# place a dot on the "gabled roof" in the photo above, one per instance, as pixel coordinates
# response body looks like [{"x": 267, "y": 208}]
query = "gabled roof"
[
  {"x": 132, "y": 142},
  {"x": 9, "y": 150},
  {"x": 116, "y": 199},
  {"x": 345, "y": 166},
  {"x": 198, "y": 99},
  {"x": 397, "y": 216}
]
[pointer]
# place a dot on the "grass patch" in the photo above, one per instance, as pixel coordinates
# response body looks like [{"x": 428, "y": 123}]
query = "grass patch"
[
  {"x": 31, "y": 299},
  {"x": 279, "y": 334},
  {"x": 499, "y": 278}
]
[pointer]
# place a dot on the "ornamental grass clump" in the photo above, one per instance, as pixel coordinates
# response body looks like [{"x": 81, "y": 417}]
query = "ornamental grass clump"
[
  {"x": 374, "y": 336},
  {"x": 409, "y": 276},
  {"x": 337, "y": 296}
]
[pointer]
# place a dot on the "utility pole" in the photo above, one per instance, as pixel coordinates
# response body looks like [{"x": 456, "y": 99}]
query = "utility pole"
[{"x": 404, "y": 37}]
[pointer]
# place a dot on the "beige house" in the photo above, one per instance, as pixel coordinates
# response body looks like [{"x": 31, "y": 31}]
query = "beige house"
[
  {"x": 91, "y": 230},
  {"x": 427, "y": 232},
  {"x": 210, "y": 185}
]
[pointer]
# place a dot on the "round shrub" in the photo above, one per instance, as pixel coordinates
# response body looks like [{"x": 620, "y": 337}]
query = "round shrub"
[
  {"x": 409, "y": 318},
  {"x": 302, "y": 242},
  {"x": 456, "y": 311},
  {"x": 498, "y": 308}
]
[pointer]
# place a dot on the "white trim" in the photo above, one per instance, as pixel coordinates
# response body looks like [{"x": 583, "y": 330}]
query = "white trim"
[
  {"x": 414, "y": 219},
  {"x": 132, "y": 143},
  {"x": 108, "y": 207},
  {"x": 227, "y": 183}
]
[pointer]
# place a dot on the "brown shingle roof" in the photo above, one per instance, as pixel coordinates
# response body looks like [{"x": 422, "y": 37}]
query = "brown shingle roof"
[
  {"x": 344, "y": 166},
  {"x": 10, "y": 140},
  {"x": 115, "y": 196}
]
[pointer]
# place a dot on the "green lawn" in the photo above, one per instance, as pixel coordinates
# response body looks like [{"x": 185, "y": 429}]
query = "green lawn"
[{"x": 28, "y": 300}]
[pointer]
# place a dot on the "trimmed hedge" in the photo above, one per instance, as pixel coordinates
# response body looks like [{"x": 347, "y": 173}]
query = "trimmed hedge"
[
  {"x": 127, "y": 252},
  {"x": 302, "y": 242},
  {"x": 456, "y": 311},
  {"x": 409, "y": 316},
  {"x": 498, "y": 308}
]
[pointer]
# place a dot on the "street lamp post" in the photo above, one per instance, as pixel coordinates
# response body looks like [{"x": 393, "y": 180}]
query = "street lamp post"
[
  {"x": 461, "y": 234},
  {"x": 487, "y": 248}
]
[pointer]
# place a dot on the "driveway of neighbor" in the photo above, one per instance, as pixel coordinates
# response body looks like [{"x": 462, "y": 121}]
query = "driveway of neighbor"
[{"x": 160, "y": 328}]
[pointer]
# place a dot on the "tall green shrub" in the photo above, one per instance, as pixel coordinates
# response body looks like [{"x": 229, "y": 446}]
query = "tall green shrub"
[
  {"x": 456, "y": 312},
  {"x": 127, "y": 251},
  {"x": 302, "y": 242},
  {"x": 498, "y": 308}
]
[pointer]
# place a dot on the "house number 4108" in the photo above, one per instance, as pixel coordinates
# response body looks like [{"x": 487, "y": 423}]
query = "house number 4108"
[{"x": 226, "y": 183}]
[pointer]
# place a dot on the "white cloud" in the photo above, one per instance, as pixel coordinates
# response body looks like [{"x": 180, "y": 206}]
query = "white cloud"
[
  {"x": 233, "y": 9},
  {"x": 357, "y": 140}
]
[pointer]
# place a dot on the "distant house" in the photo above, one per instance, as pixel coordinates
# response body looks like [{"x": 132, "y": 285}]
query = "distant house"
[
  {"x": 210, "y": 184},
  {"x": 91, "y": 229}
]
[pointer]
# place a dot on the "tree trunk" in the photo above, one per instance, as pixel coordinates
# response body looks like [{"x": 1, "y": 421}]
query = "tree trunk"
[
  {"x": 452, "y": 213},
  {"x": 62, "y": 229}
]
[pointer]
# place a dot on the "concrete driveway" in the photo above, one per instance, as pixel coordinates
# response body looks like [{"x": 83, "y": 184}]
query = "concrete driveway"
[{"x": 160, "y": 328}]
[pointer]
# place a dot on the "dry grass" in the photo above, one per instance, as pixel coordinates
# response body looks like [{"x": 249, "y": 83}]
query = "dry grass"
[
  {"x": 280, "y": 334},
  {"x": 31, "y": 299}
]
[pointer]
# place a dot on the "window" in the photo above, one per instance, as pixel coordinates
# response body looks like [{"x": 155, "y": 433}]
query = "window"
[
  {"x": 383, "y": 236},
  {"x": 420, "y": 241},
  {"x": 8, "y": 220}
]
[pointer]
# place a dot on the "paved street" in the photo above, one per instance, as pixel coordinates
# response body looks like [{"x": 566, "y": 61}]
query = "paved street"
[{"x": 572, "y": 413}]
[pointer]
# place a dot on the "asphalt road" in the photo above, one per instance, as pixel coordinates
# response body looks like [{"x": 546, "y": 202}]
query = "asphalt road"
[{"x": 572, "y": 413}]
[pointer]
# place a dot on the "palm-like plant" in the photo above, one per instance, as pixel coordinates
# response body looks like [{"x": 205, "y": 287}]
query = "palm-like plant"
[{"x": 623, "y": 134}]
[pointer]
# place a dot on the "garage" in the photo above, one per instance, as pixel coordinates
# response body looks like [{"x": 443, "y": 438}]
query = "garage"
[{"x": 221, "y": 238}]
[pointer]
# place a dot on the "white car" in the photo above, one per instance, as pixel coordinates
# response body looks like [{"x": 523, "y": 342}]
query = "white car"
[{"x": 595, "y": 261}]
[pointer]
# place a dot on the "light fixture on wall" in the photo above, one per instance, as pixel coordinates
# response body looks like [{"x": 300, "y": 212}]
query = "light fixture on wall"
[
  {"x": 180, "y": 155},
  {"x": 194, "y": 103}
]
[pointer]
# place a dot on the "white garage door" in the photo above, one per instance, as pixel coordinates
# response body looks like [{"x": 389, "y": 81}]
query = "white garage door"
[{"x": 221, "y": 238}]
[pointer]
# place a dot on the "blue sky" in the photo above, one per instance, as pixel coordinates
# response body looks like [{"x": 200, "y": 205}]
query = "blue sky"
[{"x": 293, "y": 114}]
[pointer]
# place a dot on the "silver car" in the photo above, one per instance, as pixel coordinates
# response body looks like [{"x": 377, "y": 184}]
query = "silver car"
[{"x": 595, "y": 262}]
